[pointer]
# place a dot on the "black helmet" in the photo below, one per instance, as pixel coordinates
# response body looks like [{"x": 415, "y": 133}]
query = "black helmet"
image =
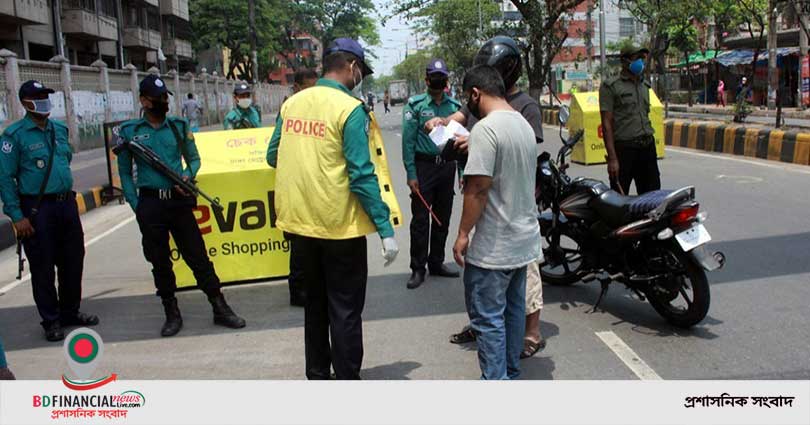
[{"x": 503, "y": 54}]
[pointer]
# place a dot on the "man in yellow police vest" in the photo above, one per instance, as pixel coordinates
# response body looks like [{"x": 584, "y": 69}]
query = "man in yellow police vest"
[{"x": 328, "y": 197}]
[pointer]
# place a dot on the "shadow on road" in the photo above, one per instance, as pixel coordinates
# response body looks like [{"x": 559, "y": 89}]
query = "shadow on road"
[
  {"x": 397, "y": 371},
  {"x": 760, "y": 258}
]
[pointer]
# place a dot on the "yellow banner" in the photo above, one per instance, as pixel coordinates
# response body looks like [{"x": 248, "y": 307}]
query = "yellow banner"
[
  {"x": 585, "y": 115},
  {"x": 242, "y": 240}
]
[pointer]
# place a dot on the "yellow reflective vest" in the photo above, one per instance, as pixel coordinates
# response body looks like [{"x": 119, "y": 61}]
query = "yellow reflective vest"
[{"x": 312, "y": 181}]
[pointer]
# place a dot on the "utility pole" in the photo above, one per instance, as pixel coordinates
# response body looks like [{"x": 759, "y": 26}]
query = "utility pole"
[
  {"x": 803, "y": 47},
  {"x": 480, "y": 22},
  {"x": 254, "y": 57},
  {"x": 589, "y": 44},
  {"x": 57, "y": 27},
  {"x": 773, "y": 76},
  {"x": 602, "y": 54}
]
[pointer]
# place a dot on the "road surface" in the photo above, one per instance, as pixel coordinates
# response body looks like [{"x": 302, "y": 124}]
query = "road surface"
[{"x": 757, "y": 326}]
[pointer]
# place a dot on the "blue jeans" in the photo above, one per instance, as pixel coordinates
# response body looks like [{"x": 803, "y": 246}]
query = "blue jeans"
[
  {"x": 2, "y": 356},
  {"x": 496, "y": 304}
]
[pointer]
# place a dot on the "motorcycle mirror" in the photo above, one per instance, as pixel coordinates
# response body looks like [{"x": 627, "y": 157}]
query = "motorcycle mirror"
[{"x": 564, "y": 115}]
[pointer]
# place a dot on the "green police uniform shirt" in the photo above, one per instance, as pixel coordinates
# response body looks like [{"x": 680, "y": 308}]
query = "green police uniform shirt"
[
  {"x": 24, "y": 152},
  {"x": 419, "y": 110},
  {"x": 163, "y": 142},
  {"x": 238, "y": 118},
  {"x": 630, "y": 103}
]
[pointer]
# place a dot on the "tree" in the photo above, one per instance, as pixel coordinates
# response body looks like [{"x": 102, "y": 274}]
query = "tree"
[
  {"x": 412, "y": 69},
  {"x": 224, "y": 23},
  {"x": 455, "y": 26},
  {"x": 331, "y": 19},
  {"x": 543, "y": 24}
]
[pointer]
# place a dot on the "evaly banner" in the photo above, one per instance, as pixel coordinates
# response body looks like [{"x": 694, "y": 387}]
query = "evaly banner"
[{"x": 242, "y": 240}]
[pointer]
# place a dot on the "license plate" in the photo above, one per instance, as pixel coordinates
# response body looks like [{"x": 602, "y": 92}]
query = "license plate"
[{"x": 693, "y": 238}]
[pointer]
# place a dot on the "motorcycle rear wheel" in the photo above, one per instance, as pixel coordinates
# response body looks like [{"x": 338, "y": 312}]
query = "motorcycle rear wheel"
[
  {"x": 567, "y": 272},
  {"x": 697, "y": 304}
]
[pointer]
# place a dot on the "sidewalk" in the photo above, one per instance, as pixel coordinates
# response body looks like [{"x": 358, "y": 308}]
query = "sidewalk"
[{"x": 794, "y": 113}]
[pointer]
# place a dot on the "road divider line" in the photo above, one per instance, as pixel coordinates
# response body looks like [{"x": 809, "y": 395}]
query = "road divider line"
[
  {"x": 736, "y": 159},
  {"x": 628, "y": 356},
  {"x": 87, "y": 244}
]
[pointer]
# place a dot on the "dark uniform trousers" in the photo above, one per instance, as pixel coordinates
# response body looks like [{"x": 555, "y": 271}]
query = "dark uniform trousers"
[
  {"x": 296, "y": 282},
  {"x": 334, "y": 273},
  {"x": 639, "y": 164},
  {"x": 436, "y": 186},
  {"x": 58, "y": 242},
  {"x": 159, "y": 217}
]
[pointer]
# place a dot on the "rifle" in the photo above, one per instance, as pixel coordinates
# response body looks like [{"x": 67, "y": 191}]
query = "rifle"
[
  {"x": 20, "y": 259},
  {"x": 150, "y": 157}
]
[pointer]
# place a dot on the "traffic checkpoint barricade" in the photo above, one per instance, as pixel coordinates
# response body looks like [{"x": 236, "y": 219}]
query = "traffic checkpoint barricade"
[{"x": 748, "y": 141}]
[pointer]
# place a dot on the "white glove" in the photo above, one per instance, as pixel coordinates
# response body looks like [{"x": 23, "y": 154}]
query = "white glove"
[{"x": 390, "y": 249}]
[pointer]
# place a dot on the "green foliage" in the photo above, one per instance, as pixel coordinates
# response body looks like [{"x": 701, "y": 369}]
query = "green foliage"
[
  {"x": 412, "y": 69},
  {"x": 224, "y": 23}
]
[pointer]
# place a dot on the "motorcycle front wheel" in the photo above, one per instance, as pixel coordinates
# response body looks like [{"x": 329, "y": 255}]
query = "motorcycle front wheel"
[
  {"x": 562, "y": 264},
  {"x": 690, "y": 305}
]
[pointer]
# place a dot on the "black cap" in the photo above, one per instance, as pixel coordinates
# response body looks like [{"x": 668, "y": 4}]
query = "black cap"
[
  {"x": 350, "y": 46},
  {"x": 32, "y": 88},
  {"x": 153, "y": 86},
  {"x": 241, "y": 88}
]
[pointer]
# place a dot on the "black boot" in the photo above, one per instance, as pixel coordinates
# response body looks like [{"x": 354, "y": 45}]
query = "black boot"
[
  {"x": 174, "y": 322},
  {"x": 416, "y": 279},
  {"x": 223, "y": 315}
]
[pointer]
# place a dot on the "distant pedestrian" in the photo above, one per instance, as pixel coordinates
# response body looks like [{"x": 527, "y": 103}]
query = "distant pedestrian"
[
  {"x": 36, "y": 186},
  {"x": 721, "y": 93},
  {"x": 370, "y": 98},
  {"x": 191, "y": 112},
  {"x": 387, "y": 101},
  {"x": 500, "y": 206}
]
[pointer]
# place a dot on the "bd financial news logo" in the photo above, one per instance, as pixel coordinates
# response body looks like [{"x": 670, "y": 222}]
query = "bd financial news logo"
[{"x": 83, "y": 351}]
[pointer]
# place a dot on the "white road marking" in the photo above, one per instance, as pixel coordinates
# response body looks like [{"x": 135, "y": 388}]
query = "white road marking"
[
  {"x": 27, "y": 277},
  {"x": 628, "y": 356},
  {"x": 398, "y": 134},
  {"x": 762, "y": 163},
  {"x": 740, "y": 179}
]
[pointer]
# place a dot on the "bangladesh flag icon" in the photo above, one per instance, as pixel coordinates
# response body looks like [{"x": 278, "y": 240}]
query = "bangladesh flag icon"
[{"x": 83, "y": 351}]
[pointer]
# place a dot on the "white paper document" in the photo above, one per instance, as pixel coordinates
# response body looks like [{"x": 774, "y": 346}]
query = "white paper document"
[{"x": 441, "y": 134}]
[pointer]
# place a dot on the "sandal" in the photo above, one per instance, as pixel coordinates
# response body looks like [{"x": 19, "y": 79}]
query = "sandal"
[
  {"x": 465, "y": 336},
  {"x": 530, "y": 348}
]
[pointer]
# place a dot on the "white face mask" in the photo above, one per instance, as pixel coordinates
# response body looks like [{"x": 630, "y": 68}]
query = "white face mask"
[
  {"x": 41, "y": 106},
  {"x": 245, "y": 103},
  {"x": 355, "y": 80}
]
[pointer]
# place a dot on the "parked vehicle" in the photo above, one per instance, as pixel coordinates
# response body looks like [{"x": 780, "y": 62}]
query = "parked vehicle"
[
  {"x": 398, "y": 91},
  {"x": 655, "y": 244}
]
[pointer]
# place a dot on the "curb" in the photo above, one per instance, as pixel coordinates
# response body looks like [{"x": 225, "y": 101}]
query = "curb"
[
  {"x": 87, "y": 200},
  {"x": 776, "y": 145},
  {"x": 730, "y": 111}
]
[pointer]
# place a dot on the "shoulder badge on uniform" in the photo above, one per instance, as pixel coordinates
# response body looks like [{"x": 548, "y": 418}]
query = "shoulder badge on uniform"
[
  {"x": 7, "y": 147},
  {"x": 368, "y": 124},
  {"x": 40, "y": 163},
  {"x": 408, "y": 115}
]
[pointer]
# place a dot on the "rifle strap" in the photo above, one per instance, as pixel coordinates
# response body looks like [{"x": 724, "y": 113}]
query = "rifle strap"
[{"x": 44, "y": 184}]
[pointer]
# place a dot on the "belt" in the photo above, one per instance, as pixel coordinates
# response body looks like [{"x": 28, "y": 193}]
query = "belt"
[
  {"x": 162, "y": 194},
  {"x": 637, "y": 141},
  {"x": 433, "y": 159},
  {"x": 53, "y": 197}
]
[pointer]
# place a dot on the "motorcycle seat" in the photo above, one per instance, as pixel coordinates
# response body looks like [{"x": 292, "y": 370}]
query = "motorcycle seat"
[{"x": 617, "y": 209}]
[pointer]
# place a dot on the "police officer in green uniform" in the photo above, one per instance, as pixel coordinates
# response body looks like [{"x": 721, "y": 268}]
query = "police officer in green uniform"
[
  {"x": 244, "y": 114},
  {"x": 36, "y": 188},
  {"x": 624, "y": 103},
  {"x": 162, "y": 208},
  {"x": 429, "y": 176}
]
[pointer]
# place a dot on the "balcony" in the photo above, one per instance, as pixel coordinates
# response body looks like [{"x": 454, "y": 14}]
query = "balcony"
[
  {"x": 84, "y": 24},
  {"x": 24, "y": 12},
  {"x": 178, "y": 8},
  {"x": 151, "y": 2},
  {"x": 141, "y": 38},
  {"x": 177, "y": 47}
]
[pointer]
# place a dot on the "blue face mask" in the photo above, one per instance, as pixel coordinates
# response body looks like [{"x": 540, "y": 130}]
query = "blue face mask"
[{"x": 637, "y": 66}]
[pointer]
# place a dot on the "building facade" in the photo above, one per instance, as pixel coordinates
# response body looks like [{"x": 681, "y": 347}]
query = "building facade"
[{"x": 145, "y": 33}]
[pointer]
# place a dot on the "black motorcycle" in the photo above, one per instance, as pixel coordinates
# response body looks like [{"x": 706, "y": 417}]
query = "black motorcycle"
[{"x": 655, "y": 244}]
